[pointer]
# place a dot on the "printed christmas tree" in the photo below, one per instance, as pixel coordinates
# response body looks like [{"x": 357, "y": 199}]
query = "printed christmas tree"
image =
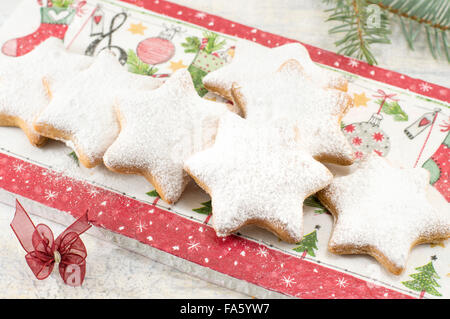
[
  {"x": 153, "y": 193},
  {"x": 313, "y": 201},
  {"x": 424, "y": 281},
  {"x": 308, "y": 244},
  {"x": 206, "y": 208},
  {"x": 74, "y": 156}
]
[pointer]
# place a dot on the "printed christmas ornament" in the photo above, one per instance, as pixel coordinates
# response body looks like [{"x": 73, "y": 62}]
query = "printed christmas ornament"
[
  {"x": 56, "y": 15},
  {"x": 367, "y": 137},
  {"x": 98, "y": 22},
  {"x": 159, "y": 49},
  {"x": 421, "y": 124}
]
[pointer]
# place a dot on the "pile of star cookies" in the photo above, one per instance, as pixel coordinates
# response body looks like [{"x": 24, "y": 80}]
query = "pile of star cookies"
[{"x": 257, "y": 167}]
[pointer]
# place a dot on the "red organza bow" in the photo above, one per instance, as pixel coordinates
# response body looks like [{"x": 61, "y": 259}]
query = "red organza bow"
[
  {"x": 43, "y": 251},
  {"x": 384, "y": 96}
]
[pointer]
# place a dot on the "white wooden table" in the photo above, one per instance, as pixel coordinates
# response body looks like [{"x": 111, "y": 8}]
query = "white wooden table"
[{"x": 121, "y": 273}]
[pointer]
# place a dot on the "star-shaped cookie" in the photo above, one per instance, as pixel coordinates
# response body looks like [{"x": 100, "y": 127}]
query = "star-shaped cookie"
[
  {"x": 159, "y": 130},
  {"x": 253, "y": 61},
  {"x": 27, "y": 83},
  {"x": 383, "y": 211},
  {"x": 82, "y": 112},
  {"x": 257, "y": 175},
  {"x": 288, "y": 96}
]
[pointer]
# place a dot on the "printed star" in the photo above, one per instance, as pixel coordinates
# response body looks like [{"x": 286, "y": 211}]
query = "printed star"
[
  {"x": 359, "y": 155},
  {"x": 18, "y": 168},
  {"x": 252, "y": 61},
  {"x": 379, "y": 153},
  {"x": 174, "y": 66},
  {"x": 353, "y": 63},
  {"x": 386, "y": 216},
  {"x": 194, "y": 246},
  {"x": 357, "y": 141},
  {"x": 341, "y": 282},
  {"x": 262, "y": 252},
  {"x": 141, "y": 226},
  {"x": 93, "y": 192},
  {"x": 425, "y": 87},
  {"x": 28, "y": 82},
  {"x": 360, "y": 99},
  {"x": 288, "y": 281},
  {"x": 290, "y": 97},
  {"x": 50, "y": 195},
  {"x": 378, "y": 136},
  {"x": 159, "y": 130},
  {"x": 82, "y": 112},
  {"x": 349, "y": 128},
  {"x": 230, "y": 171},
  {"x": 200, "y": 15},
  {"x": 137, "y": 28}
]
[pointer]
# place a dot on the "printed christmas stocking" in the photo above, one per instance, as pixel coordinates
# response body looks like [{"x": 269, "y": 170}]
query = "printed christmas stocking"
[
  {"x": 54, "y": 23},
  {"x": 439, "y": 166}
]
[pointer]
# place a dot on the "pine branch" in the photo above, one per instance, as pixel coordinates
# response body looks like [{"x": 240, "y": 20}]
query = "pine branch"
[
  {"x": 430, "y": 17},
  {"x": 416, "y": 16},
  {"x": 357, "y": 34},
  {"x": 435, "y": 6}
]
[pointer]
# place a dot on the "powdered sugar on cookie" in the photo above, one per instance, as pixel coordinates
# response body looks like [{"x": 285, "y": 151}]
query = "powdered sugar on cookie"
[
  {"x": 29, "y": 82},
  {"x": 82, "y": 113},
  {"x": 160, "y": 129},
  {"x": 290, "y": 97},
  {"x": 257, "y": 175},
  {"x": 383, "y": 211},
  {"x": 253, "y": 61}
]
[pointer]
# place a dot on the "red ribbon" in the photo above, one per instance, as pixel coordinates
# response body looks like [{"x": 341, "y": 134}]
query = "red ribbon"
[
  {"x": 445, "y": 126},
  {"x": 79, "y": 9},
  {"x": 384, "y": 96},
  {"x": 43, "y": 251},
  {"x": 204, "y": 43}
]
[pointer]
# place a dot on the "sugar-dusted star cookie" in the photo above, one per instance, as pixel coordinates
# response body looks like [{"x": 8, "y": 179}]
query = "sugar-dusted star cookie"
[
  {"x": 257, "y": 175},
  {"x": 82, "y": 112},
  {"x": 288, "y": 96},
  {"x": 383, "y": 211},
  {"x": 27, "y": 83},
  {"x": 159, "y": 130},
  {"x": 253, "y": 61}
]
